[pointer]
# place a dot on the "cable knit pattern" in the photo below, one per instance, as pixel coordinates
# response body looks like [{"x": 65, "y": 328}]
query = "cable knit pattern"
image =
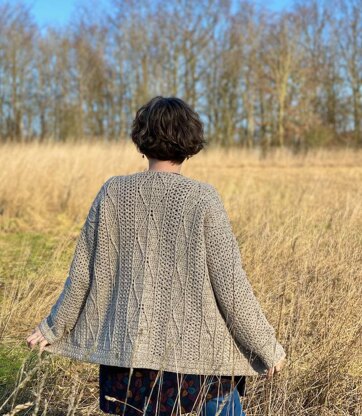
[{"x": 157, "y": 282}]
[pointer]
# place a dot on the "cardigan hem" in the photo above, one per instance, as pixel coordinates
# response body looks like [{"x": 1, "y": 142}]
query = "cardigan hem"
[{"x": 108, "y": 357}]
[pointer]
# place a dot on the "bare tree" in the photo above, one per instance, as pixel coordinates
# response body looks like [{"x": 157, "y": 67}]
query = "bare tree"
[
  {"x": 255, "y": 76},
  {"x": 347, "y": 27}
]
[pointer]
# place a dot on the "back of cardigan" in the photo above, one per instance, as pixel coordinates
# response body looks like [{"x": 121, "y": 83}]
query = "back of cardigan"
[{"x": 157, "y": 282}]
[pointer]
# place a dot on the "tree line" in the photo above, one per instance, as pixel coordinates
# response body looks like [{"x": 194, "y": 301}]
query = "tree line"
[{"x": 255, "y": 76}]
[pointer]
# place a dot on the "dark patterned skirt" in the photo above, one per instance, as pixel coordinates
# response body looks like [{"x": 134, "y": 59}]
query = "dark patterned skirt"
[{"x": 179, "y": 393}]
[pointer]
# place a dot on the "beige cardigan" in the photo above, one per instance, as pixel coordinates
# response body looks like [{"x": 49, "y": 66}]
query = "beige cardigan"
[{"x": 157, "y": 282}]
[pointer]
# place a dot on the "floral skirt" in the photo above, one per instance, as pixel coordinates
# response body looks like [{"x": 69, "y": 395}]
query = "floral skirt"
[{"x": 159, "y": 392}]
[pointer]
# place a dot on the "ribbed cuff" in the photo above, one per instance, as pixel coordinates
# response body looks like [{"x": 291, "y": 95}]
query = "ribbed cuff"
[
  {"x": 272, "y": 353},
  {"x": 46, "y": 331}
]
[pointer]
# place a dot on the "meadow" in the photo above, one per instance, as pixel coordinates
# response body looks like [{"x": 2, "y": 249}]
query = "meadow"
[{"x": 298, "y": 221}]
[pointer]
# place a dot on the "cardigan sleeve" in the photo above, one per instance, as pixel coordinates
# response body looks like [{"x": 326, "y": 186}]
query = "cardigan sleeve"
[
  {"x": 65, "y": 312},
  {"x": 233, "y": 292}
]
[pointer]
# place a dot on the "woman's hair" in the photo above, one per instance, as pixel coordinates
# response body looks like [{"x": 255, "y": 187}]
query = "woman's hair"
[{"x": 166, "y": 128}]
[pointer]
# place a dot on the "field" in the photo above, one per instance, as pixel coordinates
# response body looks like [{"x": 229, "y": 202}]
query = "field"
[{"x": 298, "y": 221}]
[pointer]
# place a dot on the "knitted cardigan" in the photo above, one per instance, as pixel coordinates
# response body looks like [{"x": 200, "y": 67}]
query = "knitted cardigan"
[{"x": 157, "y": 282}]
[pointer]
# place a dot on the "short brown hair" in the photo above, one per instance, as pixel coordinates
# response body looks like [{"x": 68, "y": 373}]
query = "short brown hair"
[{"x": 166, "y": 128}]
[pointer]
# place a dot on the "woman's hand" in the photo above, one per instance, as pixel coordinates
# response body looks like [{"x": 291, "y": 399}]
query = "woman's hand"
[
  {"x": 35, "y": 338},
  {"x": 275, "y": 369}
]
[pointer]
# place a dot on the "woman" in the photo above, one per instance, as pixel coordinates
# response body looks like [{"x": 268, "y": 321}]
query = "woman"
[{"x": 156, "y": 293}]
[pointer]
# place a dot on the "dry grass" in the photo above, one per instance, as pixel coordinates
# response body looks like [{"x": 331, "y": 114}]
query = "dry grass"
[{"x": 298, "y": 221}]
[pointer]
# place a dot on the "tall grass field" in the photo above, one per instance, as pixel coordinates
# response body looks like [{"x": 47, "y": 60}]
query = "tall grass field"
[{"x": 297, "y": 218}]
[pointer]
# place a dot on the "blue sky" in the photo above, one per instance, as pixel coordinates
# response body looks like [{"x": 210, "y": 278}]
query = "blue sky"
[
  {"x": 58, "y": 12},
  {"x": 52, "y": 12}
]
